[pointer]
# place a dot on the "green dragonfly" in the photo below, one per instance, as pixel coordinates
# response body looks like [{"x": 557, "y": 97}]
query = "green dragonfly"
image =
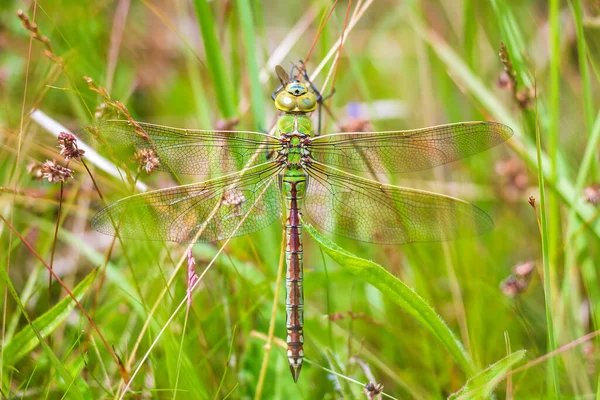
[{"x": 291, "y": 173}]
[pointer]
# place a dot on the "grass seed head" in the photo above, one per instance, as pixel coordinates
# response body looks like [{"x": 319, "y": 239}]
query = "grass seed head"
[
  {"x": 147, "y": 159},
  {"x": 372, "y": 389},
  {"x": 591, "y": 194},
  {"x": 55, "y": 172},
  {"x": 67, "y": 143},
  {"x": 37, "y": 35}
]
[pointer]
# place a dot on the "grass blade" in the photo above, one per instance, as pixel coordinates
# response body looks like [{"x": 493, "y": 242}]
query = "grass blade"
[
  {"x": 256, "y": 89},
  {"x": 215, "y": 59},
  {"x": 397, "y": 291},
  {"x": 60, "y": 368},
  {"x": 481, "y": 385},
  {"x": 548, "y": 272},
  {"x": 26, "y": 340}
]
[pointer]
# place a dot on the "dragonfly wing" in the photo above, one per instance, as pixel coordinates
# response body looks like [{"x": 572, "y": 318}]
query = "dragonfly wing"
[
  {"x": 404, "y": 151},
  {"x": 183, "y": 151},
  {"x": 200, "y": 212},
  {"x": 369, "y": 211}
]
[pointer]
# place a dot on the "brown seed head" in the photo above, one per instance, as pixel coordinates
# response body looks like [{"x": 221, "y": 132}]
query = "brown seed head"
[
  {"x": 37, "y": 35},
  {"x": 591, "y": 194},
  {"x": 372, "y": 389},
  {"x": 525, "y": 97},
  {"x": 509, "y": 71},
  {"x": 67, "y": 143},
  {"x": 147, "y": 159},
  {"x": 525, "y": 269},
  {"x": 55, "y": 172},
  {"x": 531, "y": 201},
  {"x": 513, "y": 285}
]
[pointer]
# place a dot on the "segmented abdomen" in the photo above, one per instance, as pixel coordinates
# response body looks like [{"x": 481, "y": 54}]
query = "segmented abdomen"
[{"x": 294, "y": 304}]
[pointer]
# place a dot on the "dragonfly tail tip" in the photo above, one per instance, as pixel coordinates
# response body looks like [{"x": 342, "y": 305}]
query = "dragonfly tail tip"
[{"x": 295, "y": 370}]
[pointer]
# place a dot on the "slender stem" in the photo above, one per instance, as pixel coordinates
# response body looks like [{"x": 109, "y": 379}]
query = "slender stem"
[
  {"x": 185, "y": 322},
  {"x": 328, "y": 300},
  {"x": 93, "y": 181},
  {"x": 60, "y": 199},
  {"x": 265, "y": 362},
  {"x": 548, "y": 273},
  {"x": 15, "y": 177}
]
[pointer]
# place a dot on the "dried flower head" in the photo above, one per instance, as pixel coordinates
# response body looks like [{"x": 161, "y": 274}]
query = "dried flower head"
[
  {"x": 55, "y": 172},
  {"x": 35, "y": 170},
  {"x": 509, "y": 71},
  {"x": 531, "y": 201},
  {"x": 192, "y": 277},
  {"x": 518, "y": 281},
  {"x": 504, "y": 81},
  {"x": 508, "y": 80},
  {"x": 525, "y": 97},
  {"x": 147, "y": 159},
  {"x": 525, "y": 269},
  {"x": 591, "y": 194},
  {"x": 513, "y": 286},
  {"x": 67, "y": 143},
  {"x": 372, "y": 389}
]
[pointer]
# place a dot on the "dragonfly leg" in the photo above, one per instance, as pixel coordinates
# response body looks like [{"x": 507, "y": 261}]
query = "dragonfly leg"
[{"x": 279, "y": 89}]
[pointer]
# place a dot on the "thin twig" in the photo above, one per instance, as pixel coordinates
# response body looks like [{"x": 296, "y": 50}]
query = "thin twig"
[{"x": 60, "y": 200}]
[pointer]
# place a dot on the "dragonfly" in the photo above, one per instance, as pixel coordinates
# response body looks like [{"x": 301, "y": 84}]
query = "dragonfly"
[{"x": 293, "y": 173}]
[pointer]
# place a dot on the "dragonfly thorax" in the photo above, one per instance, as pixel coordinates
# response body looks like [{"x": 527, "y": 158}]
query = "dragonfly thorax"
[{"x": 295, "y": 136}]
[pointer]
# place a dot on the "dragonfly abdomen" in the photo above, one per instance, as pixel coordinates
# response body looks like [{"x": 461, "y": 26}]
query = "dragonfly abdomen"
[{"x": 293, "y": 188}]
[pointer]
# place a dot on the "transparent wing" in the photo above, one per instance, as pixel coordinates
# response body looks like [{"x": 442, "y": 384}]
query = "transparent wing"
[
  {"x": 403, "y": 151},
  {"x": 201, "y": 212},
  {"x": 369, "y": 211},
  {"x": 182, "y": 151}
]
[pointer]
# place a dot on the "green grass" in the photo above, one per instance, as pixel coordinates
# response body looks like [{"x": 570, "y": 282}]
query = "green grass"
[{"x": 425, "y": 320}]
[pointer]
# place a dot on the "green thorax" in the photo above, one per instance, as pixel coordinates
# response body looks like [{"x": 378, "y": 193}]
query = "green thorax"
[
  {"x": 294, "y": 127},
  {"x": 294, "y": 122}
]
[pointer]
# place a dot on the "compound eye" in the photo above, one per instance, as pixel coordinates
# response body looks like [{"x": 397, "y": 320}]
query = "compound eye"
[{"x": 296, "y": 89}]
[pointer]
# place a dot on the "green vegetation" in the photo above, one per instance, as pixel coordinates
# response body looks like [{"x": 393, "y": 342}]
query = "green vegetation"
[{"x": 510, "y": 314}]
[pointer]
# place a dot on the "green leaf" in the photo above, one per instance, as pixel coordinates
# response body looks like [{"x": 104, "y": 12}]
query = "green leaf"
[
  {"x": 215, "y": 59},
  {"x": 481, "y": 385},
  {"x": 397, "y": 291},
  {"x": 249, "y": 38},
  {"x": 26, "y": 340}
]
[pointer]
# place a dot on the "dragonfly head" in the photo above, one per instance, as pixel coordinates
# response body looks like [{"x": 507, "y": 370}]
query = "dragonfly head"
[
  {"x": 296, "y": 97},
  {"x": 296, "y": 88}
]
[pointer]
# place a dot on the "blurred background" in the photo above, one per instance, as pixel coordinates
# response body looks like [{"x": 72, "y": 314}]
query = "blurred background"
[{"x": 207, "y": 65}]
